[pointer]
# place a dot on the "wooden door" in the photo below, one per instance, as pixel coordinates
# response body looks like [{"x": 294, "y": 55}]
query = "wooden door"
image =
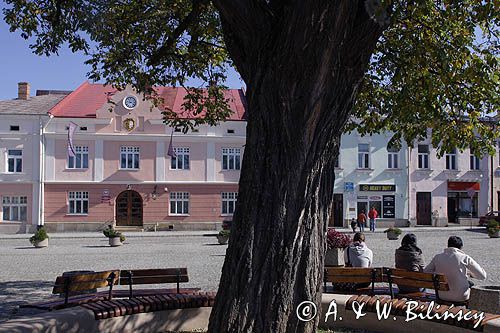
[
  {"x": 129, "y": 209},
  {"x": 424, "y": 212}
]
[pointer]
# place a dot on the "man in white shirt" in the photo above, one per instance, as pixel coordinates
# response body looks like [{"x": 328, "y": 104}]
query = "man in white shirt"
[{"x": 457, "y": 267}]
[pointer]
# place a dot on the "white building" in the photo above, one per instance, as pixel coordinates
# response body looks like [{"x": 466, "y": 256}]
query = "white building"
[{"x": 371, "y": 174}]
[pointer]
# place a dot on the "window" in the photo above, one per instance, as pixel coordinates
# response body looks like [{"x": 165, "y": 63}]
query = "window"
[
  {"x": 14, "y": 160},
  {"x": 129, "y": 158},
  {"x": 423, "y": 156},
  {"x": 15, "y": 208},
  {"x": 78, "y": 202},
  {"x": 181, "y": 162},
  {"x": 230, "y": 158},
  {"x": 14, "y": 128},
  {"x": 230, "y": 131},
  {"x": 81, "y": 159},
  {"x": 474, "y": 161},
  {"x": 337, "y": 162},
  {"x": 229, "y": 202},
  {"x": 179, "y": 203},
  {"x": 392, "y": 158},
  {"x": 451, "y": 160},
  {"x": 363, "y": 156},
  {"x": 83, "y": 128}
]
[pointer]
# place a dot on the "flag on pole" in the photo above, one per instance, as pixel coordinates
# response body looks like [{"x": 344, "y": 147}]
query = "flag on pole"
[
  {"x": 71, "y": 130},
  {"x": 171, "y": 151}
]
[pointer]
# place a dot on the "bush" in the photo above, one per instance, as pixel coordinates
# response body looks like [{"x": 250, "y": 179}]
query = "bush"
[
  {"x": 335, "y": 239},
  {"x": 493, "y": 226},
  {"x": 224, "y": 233},
  {"x": 395, "y": 230},
  {"x": 110, "y": 232},
  {"x": 40, "y": 235}
]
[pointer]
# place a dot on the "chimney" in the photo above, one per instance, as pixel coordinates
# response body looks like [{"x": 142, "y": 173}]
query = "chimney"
[{"x": 23, "y": 90}]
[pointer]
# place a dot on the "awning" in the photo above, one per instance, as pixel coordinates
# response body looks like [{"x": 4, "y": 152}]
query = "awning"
[{"x": 464, "y": 186}]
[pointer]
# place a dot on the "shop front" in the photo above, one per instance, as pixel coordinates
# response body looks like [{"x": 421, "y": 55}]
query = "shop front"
[
  {"x": 382, "y": 197},
  {"x": 463, "y": 199}
]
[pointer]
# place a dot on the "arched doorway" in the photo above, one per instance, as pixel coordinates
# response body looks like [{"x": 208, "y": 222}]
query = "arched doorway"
[{"x": 129, "y": 209}]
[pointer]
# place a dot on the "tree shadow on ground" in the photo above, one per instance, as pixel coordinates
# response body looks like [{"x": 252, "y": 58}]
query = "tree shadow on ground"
[{"x": 15, "y": 293}]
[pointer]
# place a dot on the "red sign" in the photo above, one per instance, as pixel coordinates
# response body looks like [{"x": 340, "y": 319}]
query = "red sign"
[{"x": 464, "y": 186}]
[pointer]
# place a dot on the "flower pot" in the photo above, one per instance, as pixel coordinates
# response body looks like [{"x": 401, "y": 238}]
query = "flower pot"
[
  {"x": 494, "y": 234},
  {"x": 485, "y": 298},
  {"x": 334, "y": 257},
  {"x": 222, "y": 239},
  {"x": 392, "y": 235},
  {"x": 43, "y": 243},
  {"x": 115, "y": 241}
]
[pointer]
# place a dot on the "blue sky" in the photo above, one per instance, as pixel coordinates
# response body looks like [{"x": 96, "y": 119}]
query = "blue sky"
[{"x": 64, "y": 72}]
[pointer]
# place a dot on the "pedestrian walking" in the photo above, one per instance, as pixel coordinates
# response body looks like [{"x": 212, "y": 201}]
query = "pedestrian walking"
[
  {"x": 361, "y": 221},
  {"x": 372, "y": 215},
  {"x": 354, "y": 224}
]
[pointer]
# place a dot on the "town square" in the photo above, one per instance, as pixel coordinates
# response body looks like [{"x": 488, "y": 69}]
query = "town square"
[{"x": 249, "y": 166}]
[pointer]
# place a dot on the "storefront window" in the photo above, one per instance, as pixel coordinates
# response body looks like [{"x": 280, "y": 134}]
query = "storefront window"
[{"x": 460, "y": 204}]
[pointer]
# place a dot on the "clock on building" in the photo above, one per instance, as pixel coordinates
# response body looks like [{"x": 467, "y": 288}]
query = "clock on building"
[{"x": 130, "y": 102}]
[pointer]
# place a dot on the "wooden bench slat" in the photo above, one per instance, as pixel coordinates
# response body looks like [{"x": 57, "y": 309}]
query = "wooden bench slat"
[
  {"x": 82, "y": 277},
  {"x": 80, "y": 286},
  {"x": 153, "y": 280},
  {"x": 154, "y": 272},
  {"x": 347, "y": 279},
  {"x": 396, "y": 272},
  {"x": 351, "y": 271}
]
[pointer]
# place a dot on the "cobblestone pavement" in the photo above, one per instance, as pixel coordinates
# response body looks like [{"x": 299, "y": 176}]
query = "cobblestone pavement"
[{"x": 27, "y": 273}]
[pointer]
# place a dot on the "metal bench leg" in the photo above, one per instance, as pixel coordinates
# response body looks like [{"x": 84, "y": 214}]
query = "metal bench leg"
[{"x": 111, "y": 280}]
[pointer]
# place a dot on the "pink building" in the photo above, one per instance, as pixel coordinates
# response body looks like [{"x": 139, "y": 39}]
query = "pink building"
[{"x": 121, "y": 172}]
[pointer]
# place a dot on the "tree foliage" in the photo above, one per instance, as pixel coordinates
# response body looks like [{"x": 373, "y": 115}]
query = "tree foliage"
[{"x": 436, "y": 66}]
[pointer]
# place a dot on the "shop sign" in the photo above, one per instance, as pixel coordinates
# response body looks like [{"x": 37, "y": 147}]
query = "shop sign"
[
  {"x": 377, "y": 188},
  {"x": 375, "y": 198},
  {"x": 389, "y": 206},
  {"x": 463, "y": 186}
]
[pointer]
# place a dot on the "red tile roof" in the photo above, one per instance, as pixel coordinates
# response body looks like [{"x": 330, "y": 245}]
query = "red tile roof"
[{"x": 89, "y": 97}]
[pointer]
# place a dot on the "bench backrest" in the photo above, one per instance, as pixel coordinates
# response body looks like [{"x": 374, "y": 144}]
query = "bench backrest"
[
  {"x": 401, "y": 277},
  {"x": 82, "y": 282},
  {"x": 353, "y": 275},
  {"x": 153, "y": 276}
]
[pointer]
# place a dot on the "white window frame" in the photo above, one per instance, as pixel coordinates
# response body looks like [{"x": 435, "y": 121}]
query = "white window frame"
[
  {"x": 15, "y": 203},
  {"x": 228, "y": 200},
  {"x": 75, "y": 197},
  {"x": 363, "y": 156},
  {"x": 179, "y": 162},
  {"x": 392, "y": 158},
  {"x": 83, "y": 153},
  {"x": 423, "y": 158},
  {"x": 17, "y": 160},
  {"x": 179, "y": 200},
  {"x": 232, "y": 158},
  {"x": 474, "y": 162},
  {"x": 132, "y": 154},
  {"x": 451, "y": 160}
]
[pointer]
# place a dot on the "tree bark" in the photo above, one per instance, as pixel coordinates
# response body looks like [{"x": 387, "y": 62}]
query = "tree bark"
[{"x": 306, "y": 67}]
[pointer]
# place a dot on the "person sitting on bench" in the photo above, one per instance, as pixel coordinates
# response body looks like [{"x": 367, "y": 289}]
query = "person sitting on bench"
[
  {"x": 409, "y": 257},
  {"x": 457, "y": 267}
]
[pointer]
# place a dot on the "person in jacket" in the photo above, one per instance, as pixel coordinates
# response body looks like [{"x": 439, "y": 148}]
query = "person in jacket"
[
  {"x": 357, "y": 254},
  {"x": 457, "y": 267},
  {"x": 372, "y": 215},
  {"x": 362, "y": 221},
  {"x": 409, "y": 257}
]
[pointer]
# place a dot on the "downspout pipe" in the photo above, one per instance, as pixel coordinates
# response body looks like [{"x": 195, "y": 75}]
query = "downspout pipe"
[{"x": 41, "y": 189}]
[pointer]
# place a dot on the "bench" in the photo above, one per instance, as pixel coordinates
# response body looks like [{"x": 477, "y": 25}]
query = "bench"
[
  {"x": 398, "y": 308},
  {"x": 391, "y": 276}
]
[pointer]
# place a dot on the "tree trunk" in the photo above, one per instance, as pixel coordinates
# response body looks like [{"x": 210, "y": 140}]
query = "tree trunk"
[{"x": 301, "y": 87}]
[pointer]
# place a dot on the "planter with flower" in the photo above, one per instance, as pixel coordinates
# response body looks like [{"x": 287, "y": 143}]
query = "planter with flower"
[
  {"x": 493, "y": 229},
  {"x": 393, "y": 233},
  {"x": 336, "y": 243},
  {"x": 40, "y": 238},
  {"x": 223, "y": 236},
  {"x": 115, "y": 238}
]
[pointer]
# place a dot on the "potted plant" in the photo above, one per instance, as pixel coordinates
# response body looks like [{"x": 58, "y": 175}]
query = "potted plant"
[
  {"x": 336, "y": 242},
  {"x": 493, "y": 229},
  {"x": 223, "y": 236},
  {"x": 393, "y": 233},
  {"x": 115, "y": 238},
  {"x": 40, "y": 238}
]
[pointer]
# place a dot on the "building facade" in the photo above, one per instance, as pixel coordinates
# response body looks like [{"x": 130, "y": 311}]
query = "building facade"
[
  {"x": 371, "y": 174},
  {"x": 122, "y": 173}
]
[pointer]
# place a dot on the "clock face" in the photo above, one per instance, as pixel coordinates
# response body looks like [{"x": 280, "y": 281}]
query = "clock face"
[{"x": 130, "y": 102}]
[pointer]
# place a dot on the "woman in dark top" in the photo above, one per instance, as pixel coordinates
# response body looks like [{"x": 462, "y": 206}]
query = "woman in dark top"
[{"x": 409, "y": 257}]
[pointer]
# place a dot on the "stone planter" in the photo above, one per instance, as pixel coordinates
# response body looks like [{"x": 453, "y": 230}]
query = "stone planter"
[
  {"x": 392, "y": 235},
  {"x": 115, "y": 241},
  {"x": 485, "y": 298},
  {"x": 495, "y": 234},
  {"x": 334, "y": 257},
  {"x": 222, "y": 239},
  {"x": 43, "y": 243}
]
